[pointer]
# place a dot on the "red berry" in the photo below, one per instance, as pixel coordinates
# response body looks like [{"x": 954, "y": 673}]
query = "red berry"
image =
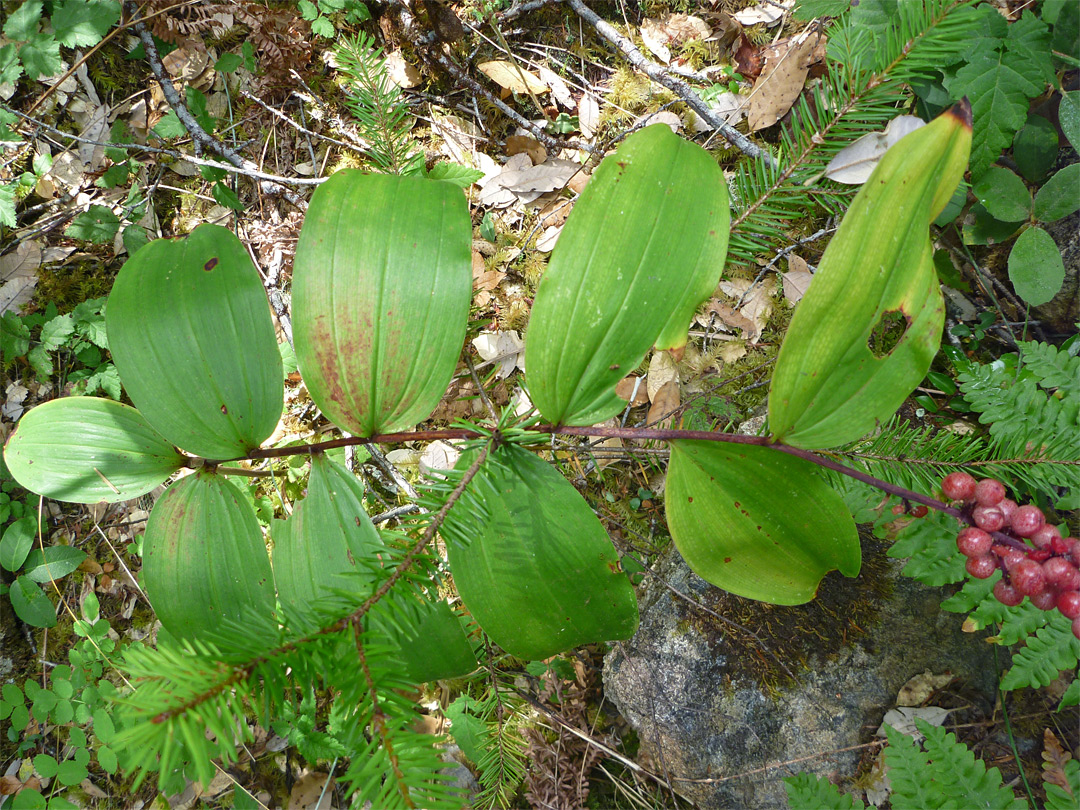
[
  {"x": 919, "y": 511},
  {"x": 974, "y": 542},
  {"x": 1076, "y": 627},
  {"x": 1061, "y": 574},
  {"x": 1044, "y": 600},
  {"x": 1045, "y": 534},
  {"x": 958, "y": 486},
  {"x": 981, "y": 567},
  {"x": 1007, "y": 594},
  {"x": 1068, "y": 603},
  {"x": 1027, "y": 520},
  {"x": 988, "y": 518},
  {"x": 1072, "y": 546},
  {"x": 898, "y": 510},
  {"x": 989, "y": 492},
  {"x": 1007, "y": 507},
  {"x": 1027, "y": 577},
  {"x": 1010, "y": 556}
]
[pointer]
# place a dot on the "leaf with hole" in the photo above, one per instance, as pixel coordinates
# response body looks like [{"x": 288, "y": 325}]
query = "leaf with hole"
[
  {"x": 756, "y": 521},
  {"x": 538, "y": 572},
  {"x": 381, "y": 291},
  {"x": 866, "y": 331},
  {"x": 191, "y": 334},
  {"x": 88, "y": 450},
  {"x": 643, "y": 247},
  {"x": 204, "y": 559}
]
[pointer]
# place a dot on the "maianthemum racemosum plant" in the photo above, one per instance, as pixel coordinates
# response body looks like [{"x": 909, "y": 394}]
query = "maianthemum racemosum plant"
[{"x": 381, "y": 294}]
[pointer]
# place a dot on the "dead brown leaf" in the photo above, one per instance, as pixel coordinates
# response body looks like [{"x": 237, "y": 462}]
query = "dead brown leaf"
[
  {"x": 1055, "y": 757},
  {"x": 662, "y": 369},
  {"x": 633, "y": 387},
  {"x": 748, "y": 58},
  {"x": 782, "y": 77},
  {"x": 517, "y": 144},
  {"x": 306, "y": 793},
  {"x": 797, "y": 279},
  {"x": 512, "y": 78},
  {"x": 666, "y": 401}
]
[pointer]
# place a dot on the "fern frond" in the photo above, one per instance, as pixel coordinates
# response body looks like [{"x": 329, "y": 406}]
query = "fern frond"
[
  {"x": 946, "y": 774},
  {"x": 807, "y": 790},
  {"x": 1052, "y": 650}
]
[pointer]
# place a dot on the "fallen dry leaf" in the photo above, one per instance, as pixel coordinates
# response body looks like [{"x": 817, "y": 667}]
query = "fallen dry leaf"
[
  {"x": 662, "y": 369},
  {"x": 748, "y": 58},
  {"x": 521, "y": 182},
  {"x": 919, "y": 688},
  {"x": 853, "y": 164},
  {"x": 502, "y": 348},
  {"x": 662, "y": 117},
  {"x": 633, "y": 387},
  {"x": 311, "y": 791},
  {"x": 732, "y": 350},
  {"x": 717, "y": 314},
  {"x": 516, "y": 144},
  {"x": 903, "y": 719},
  {"x": 796, "y": 279},
  {"x": 559, "y": 89},
  {"x": 666, "y": 401},
  {"x": 588, "y": 115},
  {"x": 512, "y": 78},
  {"x": 459, "y": 138},
  {"x": 438, "y": 456},
  {"x": 769, "y": 13},
  {"x": 546, "y": 242},
  {"x": 782, "y": 78},
  {"x": 671, "y": 29},
  {"x": 401, "y": 72}
]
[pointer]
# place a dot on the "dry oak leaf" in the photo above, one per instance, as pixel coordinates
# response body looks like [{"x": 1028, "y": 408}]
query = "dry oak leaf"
[
  {"x": 588, "y": 115},
  {"x": 545, "y": 243},
  {"x": 796, "y": 279},
  {"x": 662, "y": 370},
  {"x": 783, "y": 76},
  {"x": 512, "y": 78},
  {"x": 560, "y": 91}
]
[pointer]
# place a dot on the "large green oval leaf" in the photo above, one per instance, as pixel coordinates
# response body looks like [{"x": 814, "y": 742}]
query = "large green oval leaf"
[
  {"x": 643, "y": 247},
  {"x": 866, "y": 331},
  {"x": 327, "y": 540},
  {"x": 191, "y": 334},
  {"x": 329, "y": 543},
  {"x": 88, "y": 450},
  {"x": 539, "y": 573},
  {"x": 381, "y": 287},
  {"x": 757, "y": 522},
  {"x": 204, "y": 558}
]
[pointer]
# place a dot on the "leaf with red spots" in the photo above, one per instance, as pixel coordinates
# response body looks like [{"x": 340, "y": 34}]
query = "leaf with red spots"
[
  {"x": 756, "y": 521},
  {"x": 381, "y": 287},
  {"x": 191, "y": 334}
]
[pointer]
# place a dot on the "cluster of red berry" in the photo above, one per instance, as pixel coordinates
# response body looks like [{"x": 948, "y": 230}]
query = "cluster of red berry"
[{"x": 1035, "y": 560}]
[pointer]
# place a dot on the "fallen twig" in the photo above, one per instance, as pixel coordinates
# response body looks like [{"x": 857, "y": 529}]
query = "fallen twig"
[
  {"x": 203, "y": 140},
  {"x": 661, "y": 76}
]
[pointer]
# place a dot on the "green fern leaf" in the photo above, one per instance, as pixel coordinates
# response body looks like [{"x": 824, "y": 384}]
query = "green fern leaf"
[
  {"x": 1071, "y": 698},
  {"x": 1053, "y": 367},
  {"x": 908, "y": 764},
  {"x": 963, "y": 778},
  {"x": 934, "y": 558},
  {"x": 811, "y": 792},
  {"x": 1050, "y": 651}
]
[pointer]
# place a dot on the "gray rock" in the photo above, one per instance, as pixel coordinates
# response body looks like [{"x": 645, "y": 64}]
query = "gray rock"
[{"x": 709, "y": 703}]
